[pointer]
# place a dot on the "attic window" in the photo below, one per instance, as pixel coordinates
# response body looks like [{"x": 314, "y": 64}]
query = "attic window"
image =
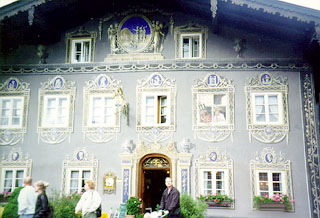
[{"x": 80, "y": 46}]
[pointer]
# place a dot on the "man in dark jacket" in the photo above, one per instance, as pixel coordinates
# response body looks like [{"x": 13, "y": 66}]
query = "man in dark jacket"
[{"x": 171, "y": 200}]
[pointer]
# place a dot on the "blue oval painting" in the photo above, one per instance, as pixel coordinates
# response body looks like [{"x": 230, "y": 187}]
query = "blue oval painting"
[{"x": 135, "y": 33}]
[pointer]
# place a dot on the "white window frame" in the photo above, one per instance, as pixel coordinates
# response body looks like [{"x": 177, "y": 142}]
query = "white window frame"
[
  {"x": 10, "y": 125},
  {"x": 226, "y": 106},
  {"x": 14, "y": 177},
  {"x": 190, "y": 36},
  {"x": 80, "y": 170},
  {"x": 157, "y": 109},
  {"x": 266, "y": 105},
  {"x": 214, "y": 181},
  {"x": 82, "y": 56},
  {"x": 270, "y": 181},
  {"x": 113, "y": 108},
  {"x": 57, "y": 97}
]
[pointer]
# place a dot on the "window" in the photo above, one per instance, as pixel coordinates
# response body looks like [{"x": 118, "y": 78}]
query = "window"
[
  {"x": 212, "y": 108},
  {"x": 80, "y": 46},
  {"x": 191, "y": 45},
  {"x": 11, "y": 114},
  {"x": 267, "y": 108},
  {"x": 77, "y": 179},
  {"x": 213, "y": 181},
  {"x": 156, "y": 109},
  {"x": 190, "y": 41},
  {"x": 56, "y": 111},
  {"x": 102, "y": 111},
  {"x": 12, "y": 178},
  {"x": 81, "y": 51},
  {"x": 270, "y": 183}
]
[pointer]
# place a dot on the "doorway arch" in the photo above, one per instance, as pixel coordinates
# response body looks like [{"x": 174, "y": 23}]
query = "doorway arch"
[{"x": 153, "y": 169}]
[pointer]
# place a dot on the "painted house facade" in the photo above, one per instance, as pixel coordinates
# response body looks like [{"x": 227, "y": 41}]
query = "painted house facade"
[{"x": 219, "y": 95}]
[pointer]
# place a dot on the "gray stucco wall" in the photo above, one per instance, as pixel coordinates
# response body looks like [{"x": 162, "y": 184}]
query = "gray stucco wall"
[{"x": 47, "y": 158}]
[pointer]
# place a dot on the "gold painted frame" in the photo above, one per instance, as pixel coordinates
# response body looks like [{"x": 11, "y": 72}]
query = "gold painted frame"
[{"x": 109, "y": 183}]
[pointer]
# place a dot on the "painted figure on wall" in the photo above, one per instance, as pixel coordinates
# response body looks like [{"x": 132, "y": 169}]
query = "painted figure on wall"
[
  {"x": 158, "y": 37},
  {"x": 112, "y": 35}
]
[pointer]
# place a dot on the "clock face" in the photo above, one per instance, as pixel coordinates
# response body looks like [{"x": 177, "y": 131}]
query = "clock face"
[{"x": 109, "y": 181}]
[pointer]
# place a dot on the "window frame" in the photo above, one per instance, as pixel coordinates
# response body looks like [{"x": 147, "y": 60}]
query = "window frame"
[
  {"x": 190, "y": 29},
  {"x": 45, "y": 107},
  {"x": 266, "y": 106},
  {"x": 10, "y": 126},
  {"x": 14, "y": 177},
  {"x": 214, "y": 180},
  {"x": 80, "y": 170},
  {"x": 82, "y": 55},
  {"x": 270, "y": 181},
  {"x": 191, "y": 50},
  {"x": 90, "y": 115},
  {"x": 157, "y": 109},
  {"x": 79, "y": 35}
]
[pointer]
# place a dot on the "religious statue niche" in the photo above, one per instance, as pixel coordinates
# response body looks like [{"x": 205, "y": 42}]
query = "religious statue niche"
[
  {"x": 213, "y": 108},
  {"x": 267, "y": 108},
  {"x": 136, "y": 34},
  {"x": 14, "y": 104}
]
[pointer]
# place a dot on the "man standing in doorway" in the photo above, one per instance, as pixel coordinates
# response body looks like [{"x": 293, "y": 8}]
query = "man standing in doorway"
[
  {"x": 171, "y": 200},
  {"x": 27, "y": 199}
]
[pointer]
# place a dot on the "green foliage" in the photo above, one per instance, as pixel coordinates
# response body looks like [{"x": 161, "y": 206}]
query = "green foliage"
[
  {"x": 139, "y": 216},
  {"x": 11, "y": 209},
  {"x": 64, "y": 205},
  {"x": 133, "y": 206},
  {"x": 276, "y": 198},
  {"x": 192, "y": 208},
  {"x": 217, "y": 198}
]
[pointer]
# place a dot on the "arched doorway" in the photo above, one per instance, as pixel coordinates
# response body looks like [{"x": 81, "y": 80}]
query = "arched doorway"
[{"x": 153, "y": 169}]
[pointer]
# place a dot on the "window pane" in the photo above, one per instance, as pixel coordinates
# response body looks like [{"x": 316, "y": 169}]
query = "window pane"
[
  {"x": 273, "y": 99},
  {"x": 86, "y": 47},
  {"x": 260, "y": 118},
  {"x": 220, "y": 175},
  {"x": 263, "y": 176},
  {"x": 207, "y": 175},
  {"x": 195, "y": 47},
  {"x": 277, "y": 187},
  {"x": 19, "y": 178},
  {"x": 185, "y": 48},
  {"x": 259, "y": 100},
  {"x": 276, "y": 176},
  {"x": 273, "y": 118},
  {"x": 163, "y": 119},
  {"x": 8, "y": 181}
]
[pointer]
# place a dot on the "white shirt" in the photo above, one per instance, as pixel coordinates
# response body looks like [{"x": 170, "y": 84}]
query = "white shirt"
[
  {"x": 89, "y": 202},
  {"x": 27, "y": 200}
]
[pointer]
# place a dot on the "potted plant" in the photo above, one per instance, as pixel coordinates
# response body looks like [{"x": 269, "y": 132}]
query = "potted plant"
[
  {"x": 133, "y": 207},
  {"x": 217, "y": 200},
  {"x": 276, "y": 202},
  {"x": 64, "y": 205}
]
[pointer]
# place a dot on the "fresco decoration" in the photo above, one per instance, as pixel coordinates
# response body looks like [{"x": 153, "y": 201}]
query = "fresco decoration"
[
  {"x": 11, "y": 88},
  {"x": 81, "y": 33},
  {"x": 126, "y": 185},
  {"x": 311, "y": 141},
  {"x": 190, "y": 28},
  {"x": 101, "y": 86},
  {"x": 268, "y": 132},
  {"x": 16, "y": 159},
  {"x": 269, "y": 160},
  {"x": 55, "y": 88},
  {"x": 136, "y": 34},
  {"x": 80, "y": 159},
  {"x": 163, "y": 66},
  {"x": 156, "y": 85},
  {"x": 215, "y": 159},
  {"x": 213, "y": 108},
  {"x": 109, "y": 183}
]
